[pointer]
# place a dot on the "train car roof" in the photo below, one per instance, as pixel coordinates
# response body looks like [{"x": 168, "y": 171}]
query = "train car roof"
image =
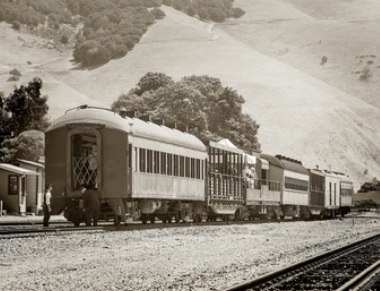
[
  {"x": 133, "y": 126},
  {"x": 317, "y": 172},
  {"x": 272, "y": 160},
  {"x": 286, "y": 164},
  {"x": 341, "y": 176}
]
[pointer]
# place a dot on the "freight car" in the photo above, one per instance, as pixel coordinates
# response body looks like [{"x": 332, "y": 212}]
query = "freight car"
[{"x": 144, "y": 169}]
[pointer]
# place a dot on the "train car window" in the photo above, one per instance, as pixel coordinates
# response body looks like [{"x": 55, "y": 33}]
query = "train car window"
[
  {"x": 182, "y": 166},
  {"x": 163, "y": 163},
  {"x": 187, "y": 167},
  {"x": 176, "y": 165},
  {"x": 170, "y": 164},
  {"x": 192, "y": 168},
  {"x": 198, "y": 169},
  {"x": 142, "y": 159},
  {"x": 84, "y": 160},
  {"x": 296, "y": 184},
  {"x": 136, "y": 158},
  {"x": 156, "y": 162},
  {"x": 202, "y": 169},
  {"x": 149, "y": 158},
  {"x": 214, "y": 167},
  {"x": 334, "y": 193},
  {"x": 330, "y": 193},
  {"x": 130, "y": 157}
]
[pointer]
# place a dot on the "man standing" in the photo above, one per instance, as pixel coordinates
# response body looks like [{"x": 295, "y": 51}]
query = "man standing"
[
  {"x": 47, "y": 204},
  {"x": 91, "y": 205}
]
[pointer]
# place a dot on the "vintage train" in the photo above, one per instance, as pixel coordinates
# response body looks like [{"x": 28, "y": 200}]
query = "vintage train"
[{"x": 146, "y": 170}]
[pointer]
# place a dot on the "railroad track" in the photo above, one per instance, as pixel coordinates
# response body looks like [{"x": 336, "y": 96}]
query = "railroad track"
[
  {"x": 353, "y": 267},
  {"x": 32, "y": 229}
]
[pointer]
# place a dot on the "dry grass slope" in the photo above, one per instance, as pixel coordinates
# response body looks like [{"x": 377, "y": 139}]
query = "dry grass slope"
[{"x": 301, "y": 115}]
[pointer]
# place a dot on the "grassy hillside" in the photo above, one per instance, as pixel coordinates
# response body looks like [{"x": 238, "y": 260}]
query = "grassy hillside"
[
  {"x": 301, "y": 33},
  {"x": 300, "y": 116}
]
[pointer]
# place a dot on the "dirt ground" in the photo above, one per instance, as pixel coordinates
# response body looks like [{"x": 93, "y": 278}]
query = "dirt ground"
[{"x": 191, "y": 258}]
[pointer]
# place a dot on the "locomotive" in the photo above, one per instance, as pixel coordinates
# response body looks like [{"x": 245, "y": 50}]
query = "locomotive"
[{"x": 145, "y": 170}]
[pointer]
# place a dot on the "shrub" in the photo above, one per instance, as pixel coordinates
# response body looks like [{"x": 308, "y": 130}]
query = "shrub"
[
  {"x": 323, "y": 61},
  {"x": 15, "y": 72},
  {"x": 13, "y": 78},
  {"x": 16, "y": 25},
  {"x": 238, "y": 12},
  {"x": 365, "y": 74},
  {"x": 64, "y": 39},
  {"x": 158, "y": 13}
]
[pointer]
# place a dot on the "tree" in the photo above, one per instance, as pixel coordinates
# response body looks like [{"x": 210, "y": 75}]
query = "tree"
[
  {"x": 23, "y": 120},
  {"x": 202, "y": 103},
  {"x": 27, "y": 108},
  {"x": 29, "y": 145},
  {"x": 153, "y": 81},
  {"x": 158, "y": 13},
  {"x": 16, "y": 25}
]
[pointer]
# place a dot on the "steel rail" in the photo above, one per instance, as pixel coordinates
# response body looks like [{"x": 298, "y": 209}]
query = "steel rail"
[
  {"x": 363, "y": 280},
  {"x": 27, "y": 233},
  {"x": 320, "y": 259},
  {"x": 38, "y": 229},
  {"x": 16, "y": 223}
]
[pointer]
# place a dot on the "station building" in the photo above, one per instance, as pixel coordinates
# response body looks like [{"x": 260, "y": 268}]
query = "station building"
[{"x": 21, "y": 187}]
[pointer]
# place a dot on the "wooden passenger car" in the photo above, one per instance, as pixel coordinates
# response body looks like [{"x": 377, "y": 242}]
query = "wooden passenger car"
[{"x": 134, "y": 165}]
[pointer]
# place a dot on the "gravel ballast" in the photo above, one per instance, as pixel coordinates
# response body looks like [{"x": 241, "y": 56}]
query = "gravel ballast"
[{"x": 190, "y": 258}]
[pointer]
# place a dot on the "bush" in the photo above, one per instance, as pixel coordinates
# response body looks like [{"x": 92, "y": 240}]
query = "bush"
[
  {"x": 64, "y": 39},
  {"x": 13, "y": 78},
  {"x": 365, "y": 74},
  {"x": 323, "y": 61},
  {"x": 158, "y": 13},
  {"x": 15, "y": 72},
  {"x": 238, "y": 12},
  {"x": 16, "y": 25}
]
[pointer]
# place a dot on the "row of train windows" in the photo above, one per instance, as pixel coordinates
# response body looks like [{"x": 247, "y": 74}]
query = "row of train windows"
[
  {"x": 296, "y": 184},
  {"x": 148, "y": 161}
]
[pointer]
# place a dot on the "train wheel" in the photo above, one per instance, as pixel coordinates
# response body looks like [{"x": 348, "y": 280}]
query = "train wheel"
[
  {"x": 169, "y": 219},
  {"x": 177, "y": 217},
  {"x": 152, "y": 219},
  {"x": 116, "y": 220},
  {"x": 75, "y": 220},
  {"x": 198, "y": 218},
  {"x": 144, "y": 218}
]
